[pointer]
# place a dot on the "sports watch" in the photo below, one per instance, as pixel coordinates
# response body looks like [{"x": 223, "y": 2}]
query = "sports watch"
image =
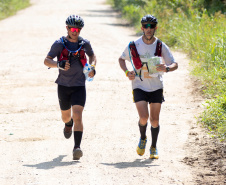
[{"x": 167, "y": 69}]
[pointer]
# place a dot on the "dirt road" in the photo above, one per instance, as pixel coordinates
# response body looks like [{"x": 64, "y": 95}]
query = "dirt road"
[{"x": 32, "y": 146}]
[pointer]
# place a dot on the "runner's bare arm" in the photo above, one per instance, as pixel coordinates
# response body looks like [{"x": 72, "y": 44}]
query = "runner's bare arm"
[
  {"x": 53, "y": 64},
  {"x": 130, "y": 74},
  {"x": 93, "y": 60},
  {"x": 162, "y": 67},
  {"x": 50, "y": 62}
]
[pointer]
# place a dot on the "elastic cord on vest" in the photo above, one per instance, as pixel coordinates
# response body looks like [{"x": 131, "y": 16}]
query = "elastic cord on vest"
[
  {"x": 66, "y": 54},
  {"x": 68, "y": 49}
]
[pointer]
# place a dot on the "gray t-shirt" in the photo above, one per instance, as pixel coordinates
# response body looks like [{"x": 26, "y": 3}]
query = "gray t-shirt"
[
  {"x": 149, "y": 84},
  {"x": 74, "y": 76}
]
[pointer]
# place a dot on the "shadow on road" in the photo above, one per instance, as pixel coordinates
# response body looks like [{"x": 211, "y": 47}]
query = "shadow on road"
[
  {"x": 120, "y": 24},
  {"x": 103, "y": 11},
  {"x": 97, "y": 15},
  {"x": 136, "y": 163},
  {"x": 52, "y": 164}
]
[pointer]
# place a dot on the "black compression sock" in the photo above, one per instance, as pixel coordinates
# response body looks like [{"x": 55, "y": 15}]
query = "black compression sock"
[
  {"x": 142, "y": 130},
  {"x": 77, "y": 138},
  {"x": 154, "y": 135},
  {"x": 69, "y": 124}
]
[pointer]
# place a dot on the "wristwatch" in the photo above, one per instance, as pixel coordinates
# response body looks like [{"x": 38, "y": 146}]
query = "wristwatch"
[{"x": 167, "y": 69}]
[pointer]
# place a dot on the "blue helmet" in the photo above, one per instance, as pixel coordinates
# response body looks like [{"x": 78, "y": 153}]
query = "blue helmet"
[{"x": 75, "y": 21}]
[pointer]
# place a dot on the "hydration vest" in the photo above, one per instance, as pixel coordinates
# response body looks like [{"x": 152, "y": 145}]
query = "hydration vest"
[
  {"x": 136, "y": 57},
  {"x": 66, "y": 54}
]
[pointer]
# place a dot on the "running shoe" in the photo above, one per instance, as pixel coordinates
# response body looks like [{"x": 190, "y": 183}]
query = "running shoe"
[
  {"x": 67, "y": 132},
  {"x": 154, "y": 153},
  {"x": 77, "y": 153},
  {"x": 141, "y": 146}
]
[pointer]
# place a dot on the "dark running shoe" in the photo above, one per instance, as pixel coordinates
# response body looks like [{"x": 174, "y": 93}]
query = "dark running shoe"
[
  {"x": 77, "y": 153},
  {"x": 67, "y": 132}
]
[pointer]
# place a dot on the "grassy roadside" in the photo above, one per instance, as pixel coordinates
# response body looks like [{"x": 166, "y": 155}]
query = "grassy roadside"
[
  {"x": 10, "y": 7},
  {"x": 196, "y": 27}
]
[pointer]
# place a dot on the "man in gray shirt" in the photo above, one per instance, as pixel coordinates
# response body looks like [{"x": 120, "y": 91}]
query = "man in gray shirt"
[{"x": 71, "y": 54}]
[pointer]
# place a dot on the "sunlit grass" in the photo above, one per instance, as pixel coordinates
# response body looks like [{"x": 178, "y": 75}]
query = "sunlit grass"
[
  {"x": 10, "y": 7},
  {"x": 203, "y": 38}
]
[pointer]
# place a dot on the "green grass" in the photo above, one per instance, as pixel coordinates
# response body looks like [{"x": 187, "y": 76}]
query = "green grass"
[
  {"x": 10, "y": 7},
  {"x": 196, "y": 27}
]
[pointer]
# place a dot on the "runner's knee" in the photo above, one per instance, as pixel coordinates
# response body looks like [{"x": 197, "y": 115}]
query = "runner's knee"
[
  {"x": 154, "y": 123},
  {"x": 66, "y": 117},
  {"x": 143, "y": 119},
  {"x": 77, "y": 117}
]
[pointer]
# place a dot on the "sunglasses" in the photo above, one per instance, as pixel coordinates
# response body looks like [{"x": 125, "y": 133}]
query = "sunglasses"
[
  {"x": 149, "y": 25},
  {"x": 74, "y": 29}
]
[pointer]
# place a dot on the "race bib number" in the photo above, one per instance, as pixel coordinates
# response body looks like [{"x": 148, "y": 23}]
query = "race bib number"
[{"x": 145, "y": 72}]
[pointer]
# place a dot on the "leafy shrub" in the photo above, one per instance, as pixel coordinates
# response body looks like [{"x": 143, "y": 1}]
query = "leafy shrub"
[{"x": 10, "y": 7}]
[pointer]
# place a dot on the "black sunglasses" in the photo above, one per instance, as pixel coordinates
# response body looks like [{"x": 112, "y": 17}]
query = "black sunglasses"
[{"x": 149, "y": 25}]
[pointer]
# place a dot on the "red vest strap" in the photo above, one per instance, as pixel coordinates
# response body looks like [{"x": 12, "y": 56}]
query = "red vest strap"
[
  {"x": 136, "y": 58},
  {"x": 81, "y": 54},
  {"x": 158, "y": 50},
  {"x": 64, "y": 54}
]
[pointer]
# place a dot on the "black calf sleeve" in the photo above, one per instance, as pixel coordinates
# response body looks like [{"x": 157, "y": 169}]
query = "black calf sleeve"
[
  {"x": 77, "y": 138},
  {"x": 142, "y": 130},
  {"x": 154, "y": 135}
]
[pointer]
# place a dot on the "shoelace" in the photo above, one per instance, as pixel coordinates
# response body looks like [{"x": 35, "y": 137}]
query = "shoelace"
[
  {"x": 153, "y": 150},
  {"x": 142, "y": 144}
]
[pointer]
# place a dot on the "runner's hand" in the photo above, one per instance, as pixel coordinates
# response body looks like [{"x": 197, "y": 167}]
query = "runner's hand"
[
  {"x": 91, "y": 73},
  {"x": 161, "y": 67},
  {"x": 131, "y": 75},
  {"x": 67, "y": 65},
  {"x": 63, "y": 65}
]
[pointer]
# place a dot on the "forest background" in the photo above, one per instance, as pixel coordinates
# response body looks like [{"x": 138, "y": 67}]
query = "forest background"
[{"x": 196, "y": 27}]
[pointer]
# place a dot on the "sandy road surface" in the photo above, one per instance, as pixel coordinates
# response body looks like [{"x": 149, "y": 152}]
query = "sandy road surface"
[{"x": 32, "y": 147}]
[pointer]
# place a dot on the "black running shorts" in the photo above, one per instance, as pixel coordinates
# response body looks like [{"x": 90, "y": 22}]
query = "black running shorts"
[
  {"x": 69, "y": 96},
  {"x": 151, "y": 97}
]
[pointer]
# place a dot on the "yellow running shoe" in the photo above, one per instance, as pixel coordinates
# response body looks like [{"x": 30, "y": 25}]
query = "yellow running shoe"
[
  {"x": 141, "y": 146},
  {"x": 154, "y": 153}
]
